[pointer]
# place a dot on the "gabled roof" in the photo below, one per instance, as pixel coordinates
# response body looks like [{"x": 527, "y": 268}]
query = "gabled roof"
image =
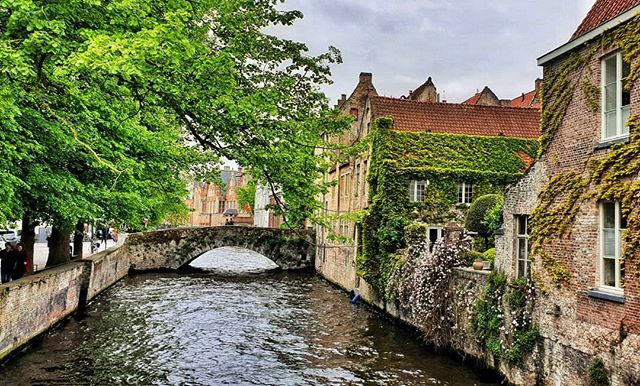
[
  {"x": 456, "y": 118},
  {"x": 601, "y": 12},
  {"x": 417, "y": 93},
  {"x": 527, "y": 100},
  {"x": 473, "y": 100}
]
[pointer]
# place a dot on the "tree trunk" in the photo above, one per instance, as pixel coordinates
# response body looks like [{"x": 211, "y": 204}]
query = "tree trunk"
[
  {"x": 28, "y": 238},
  {"x": 78, "y": 239},
  {"x": 59, "y": 247}
]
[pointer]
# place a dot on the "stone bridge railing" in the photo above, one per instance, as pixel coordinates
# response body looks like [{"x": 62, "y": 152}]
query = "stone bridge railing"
[{"x": 175, "y": 248}]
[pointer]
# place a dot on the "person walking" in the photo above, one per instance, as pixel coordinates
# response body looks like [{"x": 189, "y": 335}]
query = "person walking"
[
  {"x": 20, "y": 262},
  {"x": 6, "y": 263}
]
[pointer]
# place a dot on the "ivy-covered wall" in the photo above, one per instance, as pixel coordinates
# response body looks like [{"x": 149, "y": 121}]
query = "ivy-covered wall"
[{"x": 398, "y": 157}]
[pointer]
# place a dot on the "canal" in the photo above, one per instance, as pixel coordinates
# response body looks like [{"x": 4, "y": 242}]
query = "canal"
[{"x": 234, "y": 325}]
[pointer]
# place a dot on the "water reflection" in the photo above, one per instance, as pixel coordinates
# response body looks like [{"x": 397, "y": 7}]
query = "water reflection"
[
  {"x": 205, "y": 329},
  {"x": 233, "y": 261}
]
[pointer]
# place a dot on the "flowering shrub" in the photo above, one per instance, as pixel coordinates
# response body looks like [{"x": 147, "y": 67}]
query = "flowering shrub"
[
  {"x": 421, "y": 287},
  {"x": 503, "y": 318}
]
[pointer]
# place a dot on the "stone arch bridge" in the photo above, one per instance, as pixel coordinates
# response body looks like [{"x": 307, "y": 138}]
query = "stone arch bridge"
[{"x": 175, "y": 248}]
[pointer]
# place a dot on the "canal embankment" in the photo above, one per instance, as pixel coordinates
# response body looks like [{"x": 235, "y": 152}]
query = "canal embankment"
[{"x": 32, "y": 305}]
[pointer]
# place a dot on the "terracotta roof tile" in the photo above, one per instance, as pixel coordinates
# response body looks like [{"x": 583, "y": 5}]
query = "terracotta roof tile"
[
  {"x": 601, "y": 12},
  {"x": 526, "y": 101},
  {"x": 458, "y": 118},
  {"x": 473, "y": 100}
]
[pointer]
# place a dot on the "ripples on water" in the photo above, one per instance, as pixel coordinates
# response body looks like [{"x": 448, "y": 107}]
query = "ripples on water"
[{"x": 207, "y": 329}]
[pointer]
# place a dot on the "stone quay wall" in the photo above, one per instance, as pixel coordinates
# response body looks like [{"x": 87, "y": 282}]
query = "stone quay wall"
[{"x": 34, "y": 304}]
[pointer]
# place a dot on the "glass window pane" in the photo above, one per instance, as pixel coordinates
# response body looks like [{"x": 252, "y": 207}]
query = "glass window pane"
[
  {"x": 625, "y": 117},
  {"x": 610, "y": 69},
  {"x": 520, "y": 268},
  {"x": 522, "y": 247},
  {"x": 469, "y": 193},
  {"x": 609, "y": 272},
  {"x": 609, "y": 242},
  {"x": 522, "y": 225},
  {"x": 412, "y": 190},
  {"x": 608, "y": 215},
  {"x": 610, "y": 97},
  {"x": 611, "y": 124}
]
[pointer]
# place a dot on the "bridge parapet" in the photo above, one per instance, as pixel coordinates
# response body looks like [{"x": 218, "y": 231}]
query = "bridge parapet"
[{"x": 174, "y": 248}]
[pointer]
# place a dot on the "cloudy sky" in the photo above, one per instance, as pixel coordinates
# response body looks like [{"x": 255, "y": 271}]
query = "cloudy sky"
[{"x": 463, "y": 44}]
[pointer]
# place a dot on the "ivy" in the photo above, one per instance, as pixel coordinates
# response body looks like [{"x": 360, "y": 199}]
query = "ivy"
[
  {"x": 502, "y": 319},
  {"x": 397, "y": 158},
  {"x": 605, "y": 178}
]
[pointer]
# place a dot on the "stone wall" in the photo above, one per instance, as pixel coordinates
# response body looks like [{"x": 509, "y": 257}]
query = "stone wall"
[{"x": 32, "y": 305}]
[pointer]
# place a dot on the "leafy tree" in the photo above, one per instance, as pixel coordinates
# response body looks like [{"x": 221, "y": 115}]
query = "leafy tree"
[
  {"x": 103, "y": 97},
  {"x": 477, "y": 213},
  {"x": 247, "y": 195}
]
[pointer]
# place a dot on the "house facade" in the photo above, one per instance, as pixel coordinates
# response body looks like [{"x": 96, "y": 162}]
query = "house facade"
[
  {"x": 422, "y": 160},
  {"x": 571, "y": 224},
  {"x": 213, "y": 204}
]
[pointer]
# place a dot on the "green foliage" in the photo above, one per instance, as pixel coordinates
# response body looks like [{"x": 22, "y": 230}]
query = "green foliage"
[
  {"x": 475, "y": 256},
  {"x": 101, "y": 99},
  {"x": 598, "y": 374},
  {"x": 607, "y": 177},
  {"x": 247, "y": 195},
  {"x": 476, "y": 220},
  {"x": 489, "y": 255},
  {"x": 397, "y": 158},
  {"x": 493, "y": 217},
  {"x": 502, "y": 319}
]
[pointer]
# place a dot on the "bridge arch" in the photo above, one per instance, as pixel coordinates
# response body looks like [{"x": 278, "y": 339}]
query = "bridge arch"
[{"x": 172, "y": 249}]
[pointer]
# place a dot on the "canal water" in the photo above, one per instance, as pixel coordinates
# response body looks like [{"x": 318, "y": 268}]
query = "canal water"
[{"x": 234, "y": 325}]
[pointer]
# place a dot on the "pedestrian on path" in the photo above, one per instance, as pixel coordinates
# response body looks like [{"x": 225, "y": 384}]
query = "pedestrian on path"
[
  {"x": 20, "y": 261},
  {"x": 6, "y": 263}
]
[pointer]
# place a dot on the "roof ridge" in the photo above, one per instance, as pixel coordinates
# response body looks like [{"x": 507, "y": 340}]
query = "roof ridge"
[{"x": 453, "y": 104}]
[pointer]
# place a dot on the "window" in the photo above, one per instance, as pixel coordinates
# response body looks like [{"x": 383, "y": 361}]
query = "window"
[
  {"x": 343, "y": 228},
  {"x": 523, "y": 248},
  {"x": 612, "y": 225},
  {"x": 416, "y": 190},
  {"x": 616, "y": 100},
  {"x": 221, "y": 207},
  {"x": 465, "y": 193},
  {"x": 345, "y": 190}
]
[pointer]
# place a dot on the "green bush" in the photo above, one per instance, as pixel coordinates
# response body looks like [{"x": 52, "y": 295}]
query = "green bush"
[
  {"x": 476, "y": 216},
  {"x": 416, "y": 232},
  {"x": 490, "y": 255},
  {"x": 475, "y": 256},
  {"x": 598, "y": 375}
]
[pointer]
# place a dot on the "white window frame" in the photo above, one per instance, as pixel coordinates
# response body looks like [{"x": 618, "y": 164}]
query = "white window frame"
[
  {"x": 464, "y": 187},
  {"x": 525, "y": 237},
  {"x": 618, "y": 288},
  {"x": 413, "y": 190},
  {"x": 622, "y": 131}
]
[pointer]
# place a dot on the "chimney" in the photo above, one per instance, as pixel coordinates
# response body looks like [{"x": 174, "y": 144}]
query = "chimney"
[{"x": 366, "y": 77}]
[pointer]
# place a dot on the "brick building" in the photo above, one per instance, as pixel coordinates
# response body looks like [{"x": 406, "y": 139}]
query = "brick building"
[
  {"x": 422, "y": 114},
  {"x": 565, "y": 223},
  {"x": 212, "y": 204}
]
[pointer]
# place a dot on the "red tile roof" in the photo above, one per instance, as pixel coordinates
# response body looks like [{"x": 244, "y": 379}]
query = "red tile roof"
[
  {"x": 473, "y": 100},
  {"x": 601, "y": 12},
  {"x": 458, "y": 118},
  {"x": 526, "y": 101}
]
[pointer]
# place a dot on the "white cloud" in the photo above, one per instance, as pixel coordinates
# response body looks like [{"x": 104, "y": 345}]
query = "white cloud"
[{"x": 463, "y": 44}]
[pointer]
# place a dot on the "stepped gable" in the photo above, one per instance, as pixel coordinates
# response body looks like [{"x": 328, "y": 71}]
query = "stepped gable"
[
  {"x": 456, "y": 118},
  {"x": 601, "y": 12}
]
